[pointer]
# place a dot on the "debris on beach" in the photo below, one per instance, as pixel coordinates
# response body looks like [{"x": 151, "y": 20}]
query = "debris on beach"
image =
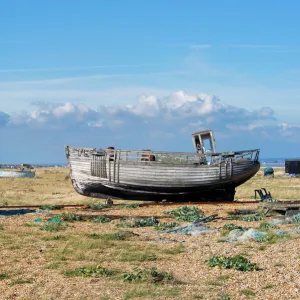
[
  {"x": 191, "y": 229},
  {"x": 244, "y": 235},
  {"x": 19, "y": 212},
  {"x": 287, "y": 220}
]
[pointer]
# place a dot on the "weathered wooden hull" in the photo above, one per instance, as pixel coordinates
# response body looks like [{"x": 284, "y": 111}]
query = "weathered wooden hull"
[
  {"x": 16, "y": 174},
  {"x": 96, "y": 176}
]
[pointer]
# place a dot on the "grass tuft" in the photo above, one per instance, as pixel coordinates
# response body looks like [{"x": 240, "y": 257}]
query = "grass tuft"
[
  {"x": 118, "y": 236},
  {"x": 135, "y": 205},
  {"x": 138, "y": 223},
  {"x": 165, "y": 225},
  {"x": 89, "y": 271},
  {"x": 247, "y": 292},
  {"x": 150, "y": 275},
  {"x": 54, "y": 227},
  {"x": 101, "y": 219},
  {"x": 3, "y": 276},
  {"x": 20, "y": 281}
]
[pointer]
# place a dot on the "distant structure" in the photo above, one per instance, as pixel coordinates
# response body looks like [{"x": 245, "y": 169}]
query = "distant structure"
[
  {"x": 292, "y": 166},
  {"x": 269, "y": 172}
]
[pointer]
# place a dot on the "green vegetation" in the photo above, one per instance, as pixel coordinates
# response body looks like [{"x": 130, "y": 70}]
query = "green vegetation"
[
  {"x": 20, "y": 281},
  {"x": 165, "y": 225},
  {"x": 186, "y": 213},
  {"x": 231, "y": 226},
  {"x": 266, "y": 226},
  {"x": 89, "y": 271},
  {"x": 101, "y": 219},
  {"x": 50, "y": 207},
  {"x": 138, "y": 256},
  {"x": 223, "y": 297},
  {"x": 146, "y": 222},
  {"x": 247, "y": 292},
  {"x": 150, "y": 275},
  {"x": 177, "y": 250},
  {"x": 54, "y": 226},
  {"x": 118, "y": 236},
  {"x": 3, "y": 276},
  {"x": 135, "y": 205},
  {"x": 237, "y": 262},
  {"x": 139, "y": 223},
  {"x": 68, "y": 217},
  {"x": 249, "y": 218},
  {"x": 98, "y": 206}
]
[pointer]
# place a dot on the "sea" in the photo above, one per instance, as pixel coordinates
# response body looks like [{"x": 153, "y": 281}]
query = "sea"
[{"x": 273, "y": 162}]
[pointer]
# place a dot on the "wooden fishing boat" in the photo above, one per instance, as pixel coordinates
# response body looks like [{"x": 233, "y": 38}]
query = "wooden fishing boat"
[
  {"x": 154, "y": 175},
  {"x": 24, "y": 170}
]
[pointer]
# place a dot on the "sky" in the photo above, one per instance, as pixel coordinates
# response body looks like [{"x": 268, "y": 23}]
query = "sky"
[{"x": 146, "y": 74}]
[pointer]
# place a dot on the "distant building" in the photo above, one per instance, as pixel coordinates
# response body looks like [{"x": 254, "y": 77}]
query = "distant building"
[{"x": 292, "y": 166}]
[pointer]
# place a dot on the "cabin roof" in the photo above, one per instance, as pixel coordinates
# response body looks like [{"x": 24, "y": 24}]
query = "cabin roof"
[{"x": 202, "y": 132}]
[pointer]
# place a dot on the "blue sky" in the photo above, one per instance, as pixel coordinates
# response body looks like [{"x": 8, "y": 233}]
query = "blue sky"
[{"x": 64, "y": 63}]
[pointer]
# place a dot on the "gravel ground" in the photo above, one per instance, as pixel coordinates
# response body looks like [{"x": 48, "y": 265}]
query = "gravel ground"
[{"x": 26, "y": 253}]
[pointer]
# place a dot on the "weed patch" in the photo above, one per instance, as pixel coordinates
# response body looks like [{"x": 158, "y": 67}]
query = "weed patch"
[
  {"x": 135, "y": 205},
  {"x": 231, "y": 226},
  {"x": 90, "y": 271},
  {"x": 223, "y": 297},
  {"x": 54, "y": 238},
  {"x": 247, "y": 292},
  {"x": 97, "y": 206},
  {"x": 237, "y": 262},
  {"x": 118, "y": 236},
  {"x": 54, "y": 227},
  {"x": 266, "y": 226},
  {"x": 30, "y": 225},
  {"x": 68, "y": 217},
  {"x": 177, "y": 250},
  {"x": 247, "y": 218},
  {"x": 53, "y": 266},
  {"x": 223, "y": 277},
  {"x": 3, "y": 276},
  {"x": 20, "y": 281},
  {"x": 146, "y": 222},
  {"x": 268, "y": 287},
  {"x": 101, "y": 219},
  {"x": 50, "y": 207},
  {"x": 138, "y": 223},
  {"x": 150, "y": 275},
  {"x": 165, "y": 225},
  {"x": 137, "y": 256},
  {"x": 186, "y": 214}
]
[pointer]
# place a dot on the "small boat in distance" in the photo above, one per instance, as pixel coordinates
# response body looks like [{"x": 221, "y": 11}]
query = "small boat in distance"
[
  {"x": 24, "y": 170},
  {"x": 155, "y": 176}
]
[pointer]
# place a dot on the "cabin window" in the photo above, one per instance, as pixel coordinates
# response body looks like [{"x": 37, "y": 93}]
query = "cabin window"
[{"x": 98, "y": 166}]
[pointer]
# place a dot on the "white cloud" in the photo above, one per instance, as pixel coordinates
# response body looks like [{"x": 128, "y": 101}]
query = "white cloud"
[
  {"x": 178, "y": 110},
  {"x": 158, "y": 123}
]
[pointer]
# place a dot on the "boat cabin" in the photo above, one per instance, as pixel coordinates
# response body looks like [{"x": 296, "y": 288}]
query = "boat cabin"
[
  {"x": 204, "y": 142},
  {"x": 25, "y": 167}
]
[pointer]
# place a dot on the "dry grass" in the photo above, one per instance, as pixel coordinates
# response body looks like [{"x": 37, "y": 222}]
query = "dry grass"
[
  {"x": 34, "y": 262},
  {"x": 281, "y": 187}
]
